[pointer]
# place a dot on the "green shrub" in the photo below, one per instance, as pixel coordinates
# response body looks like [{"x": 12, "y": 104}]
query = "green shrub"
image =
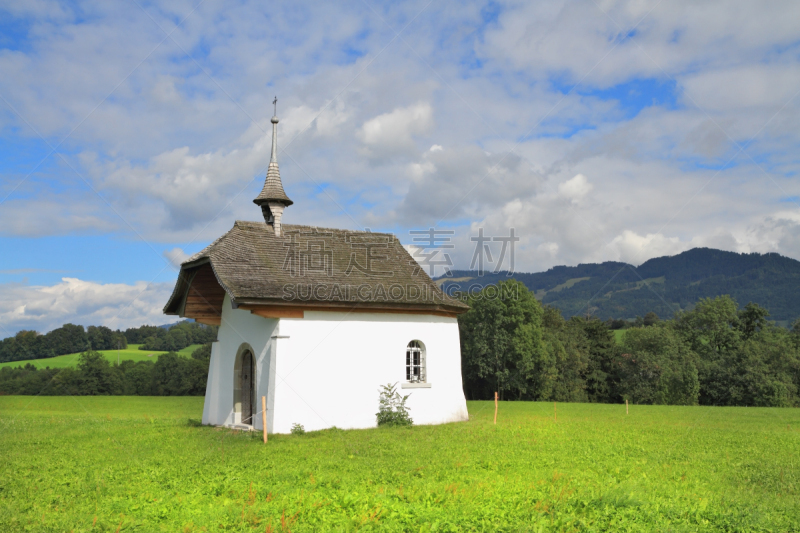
[
  {"x": 298, "y": 429},
  {"x": 392, "y": 410}
]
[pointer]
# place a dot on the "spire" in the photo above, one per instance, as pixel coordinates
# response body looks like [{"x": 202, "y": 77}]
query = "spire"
[{"x": 273, "y": 199}]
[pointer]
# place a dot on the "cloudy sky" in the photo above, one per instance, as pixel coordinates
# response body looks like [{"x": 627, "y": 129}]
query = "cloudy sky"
[{"x": 134, "y": 133}]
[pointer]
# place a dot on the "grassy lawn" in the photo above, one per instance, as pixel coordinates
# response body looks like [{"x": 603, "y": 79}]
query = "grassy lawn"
[
  {"x": 71, "y": 360},
  {"x": 618, "y": 333},
  {"x": 144, "y": 464}
]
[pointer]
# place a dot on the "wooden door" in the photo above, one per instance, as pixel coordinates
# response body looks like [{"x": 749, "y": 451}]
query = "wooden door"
[{"x": 247, "y": 388}]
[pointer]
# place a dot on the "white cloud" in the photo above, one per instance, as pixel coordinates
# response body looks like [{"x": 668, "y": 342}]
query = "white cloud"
[
  {"x": 448, "y": 184},
  {"x": 176, "y": 256},
  {"x": 54, "y": 216},
  {"x": 393, "y": 133},
  {"x": 753, "y": 86},
  {"x": 614, "y": 41},
  {"x": 629, "y": 247},
  {"x": 324, "y": 121},
  {"x": 192, "y": 188},
  {"x": 575, "y": 188},
  {"x": 116, "y": 305},
  {"x": 778, "y": 232}
]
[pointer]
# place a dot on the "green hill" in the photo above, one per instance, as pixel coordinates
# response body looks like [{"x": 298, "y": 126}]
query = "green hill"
[
  {"x": 132, "y": 353},
  {"x": 663, "y": 285}
]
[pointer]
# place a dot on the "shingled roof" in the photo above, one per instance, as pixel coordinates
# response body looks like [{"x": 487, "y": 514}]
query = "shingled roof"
[{"x": 310, "y": 267}]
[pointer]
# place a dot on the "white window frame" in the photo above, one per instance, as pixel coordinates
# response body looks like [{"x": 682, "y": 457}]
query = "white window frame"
[{"x": 416, "y": 366}]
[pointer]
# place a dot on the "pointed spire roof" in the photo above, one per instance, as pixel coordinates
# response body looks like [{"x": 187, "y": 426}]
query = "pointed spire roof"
[{"x": 273, "y": 188}]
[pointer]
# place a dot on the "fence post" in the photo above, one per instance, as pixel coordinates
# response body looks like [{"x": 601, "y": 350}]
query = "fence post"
[
  {"x": 495, "y": 408},
  {"x": 264, "y": 416}
]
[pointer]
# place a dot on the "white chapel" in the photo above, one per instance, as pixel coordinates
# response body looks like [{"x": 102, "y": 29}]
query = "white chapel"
[{"x": 316, "y": 320}]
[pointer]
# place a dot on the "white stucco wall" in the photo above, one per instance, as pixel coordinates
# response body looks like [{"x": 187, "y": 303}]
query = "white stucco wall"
[
  {"x": 239, "y": 327},
  {"x": 325, "y": 369}
]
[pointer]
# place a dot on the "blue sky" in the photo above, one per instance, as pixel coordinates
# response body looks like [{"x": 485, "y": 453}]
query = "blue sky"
[{"x": 132, "y": 135}]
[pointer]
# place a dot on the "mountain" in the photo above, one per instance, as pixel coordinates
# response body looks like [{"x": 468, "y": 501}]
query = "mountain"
[{"x": 663, "y": 285}]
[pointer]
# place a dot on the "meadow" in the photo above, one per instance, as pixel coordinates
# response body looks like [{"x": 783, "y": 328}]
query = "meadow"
[
  {"x": 146, "y": 464},
  {"x": 131, "y": 353}
]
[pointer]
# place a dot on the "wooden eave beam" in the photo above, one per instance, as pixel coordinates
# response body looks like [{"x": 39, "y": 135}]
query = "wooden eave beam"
[
  {"x": 277, "y": 312},
  {"x": 287, "y": 311}
]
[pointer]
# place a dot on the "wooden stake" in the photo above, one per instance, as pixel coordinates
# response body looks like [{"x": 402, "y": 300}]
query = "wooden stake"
[
  {"x": 555, "y": 412},
  {"x": 264, "y": 416},
  {"x": 626, "y": 406},
  {"x": 495, "y": 408}
]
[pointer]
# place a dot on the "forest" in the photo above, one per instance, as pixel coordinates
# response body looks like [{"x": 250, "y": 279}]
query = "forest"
[
  {"x": 714, "y": 354},
  {"x": 69, "y": 338},
  {"x": 170, "y": 375}
]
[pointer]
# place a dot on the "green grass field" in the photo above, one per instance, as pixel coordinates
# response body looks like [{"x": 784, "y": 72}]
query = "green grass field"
[
  {"x": 145, "y": 464},
  {"x": 618, "y": 333},
  {"x": 132, "y": 353}
]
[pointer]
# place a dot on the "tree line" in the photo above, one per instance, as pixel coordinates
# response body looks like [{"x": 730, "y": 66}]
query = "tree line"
[
  {"x": 170, "y": 375},
  {"x": 177, "y": 337},
  {"x": 71, "y": 338},
  {"x": 714, "y": 354}
]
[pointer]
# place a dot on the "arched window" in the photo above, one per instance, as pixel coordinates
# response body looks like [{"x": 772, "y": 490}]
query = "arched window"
[{"x": 415, "y": 363}]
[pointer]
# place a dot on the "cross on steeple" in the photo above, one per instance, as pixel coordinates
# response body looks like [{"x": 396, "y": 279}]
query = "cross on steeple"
[{"x": 273, "y": 199}]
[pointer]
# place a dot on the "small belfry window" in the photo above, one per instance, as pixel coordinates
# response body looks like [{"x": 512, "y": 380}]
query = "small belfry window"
[{"x": 415, "y": 362}]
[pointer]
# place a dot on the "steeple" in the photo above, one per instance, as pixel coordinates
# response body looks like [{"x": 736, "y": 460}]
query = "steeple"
[{"x": 273, "y": 199}]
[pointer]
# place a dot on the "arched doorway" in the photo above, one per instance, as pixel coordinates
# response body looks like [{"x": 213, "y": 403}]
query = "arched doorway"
[
  {"x": 247, "y": 386},
  {"x": 244, "y": 385}
]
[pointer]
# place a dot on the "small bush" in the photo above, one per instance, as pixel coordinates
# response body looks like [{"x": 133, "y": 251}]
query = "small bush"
[
  {"x": 298, "y": 429},
  {"x": 392, "y": 410}
]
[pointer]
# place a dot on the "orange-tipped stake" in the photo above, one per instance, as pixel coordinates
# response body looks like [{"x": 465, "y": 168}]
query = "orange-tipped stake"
[{"x": 264, "y": 416}]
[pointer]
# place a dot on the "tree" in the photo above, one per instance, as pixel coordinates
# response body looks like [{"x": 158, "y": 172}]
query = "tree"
[
  {"x": 765, "y": 371},
  {"x": 138, "y": 335},
  {"x": 658, "y": 368},
  {"x": 751, "y": 319},
  {"x": 168, "y": 375},
  {"x": 559, "y": 372},
  {"x": 195, "y": 377},
  {"x": 711, "y": 332},
  {"x": 603, "y": 367},
  {"x": 96, "y": 375},
  {"x": 69, "y": 338},
  {"x": 796, "y": 333},
  {"x": 650, "y": 319},
  {"x": 202, "y": 353},
  {"x": 500, "y": 340},
  {"x": 177, "y": 337}
]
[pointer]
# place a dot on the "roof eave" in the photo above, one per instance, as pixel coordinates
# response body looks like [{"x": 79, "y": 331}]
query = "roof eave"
[{"x": 344, "y": 305}]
